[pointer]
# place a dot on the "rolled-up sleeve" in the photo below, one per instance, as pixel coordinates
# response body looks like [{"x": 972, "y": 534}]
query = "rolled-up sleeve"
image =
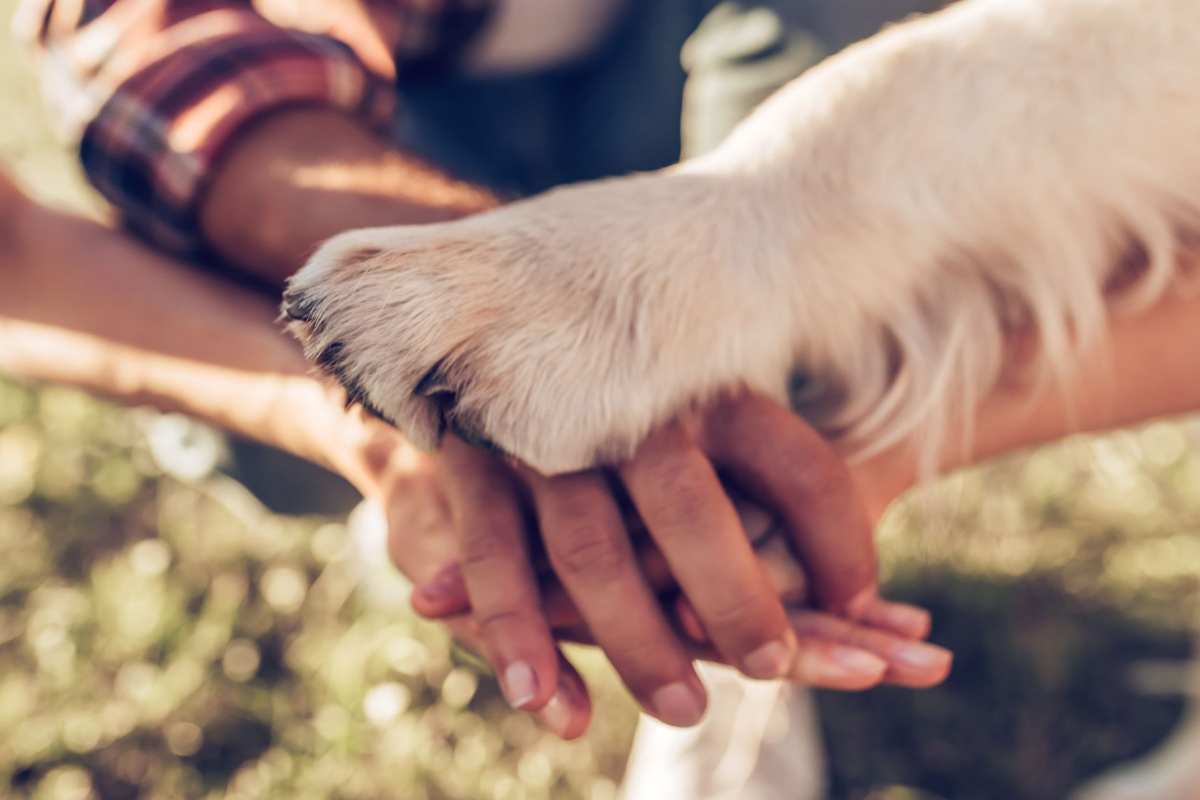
[{"x": 154, "y": 91}]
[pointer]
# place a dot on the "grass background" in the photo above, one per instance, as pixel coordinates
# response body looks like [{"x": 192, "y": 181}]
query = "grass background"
[{"x": 163, "y": 633}]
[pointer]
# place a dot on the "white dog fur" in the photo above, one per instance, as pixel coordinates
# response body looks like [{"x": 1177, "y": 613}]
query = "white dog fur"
[{"x": 880, "y": 223}]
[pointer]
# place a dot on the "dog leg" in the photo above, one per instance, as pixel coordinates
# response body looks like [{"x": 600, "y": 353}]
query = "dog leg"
[{"x": 882, "y": 223}]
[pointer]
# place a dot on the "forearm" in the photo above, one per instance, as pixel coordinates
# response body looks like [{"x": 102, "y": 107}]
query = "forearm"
[
  {"x": 1145, "y": 369},
  {"x": 82, "y": 305},
  {"x": 302, "y": 176}
]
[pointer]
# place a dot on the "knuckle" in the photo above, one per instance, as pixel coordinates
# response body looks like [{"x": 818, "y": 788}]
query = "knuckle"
[
  {"x": 501, "y": 621},
  {"x": 588, "y": 549},
  {"x": 837, "y": 591},
  {"x": 741, "y": 612},
  {"x": 659, "y": 455},
  {"x": 861, "y": 575},
  {"x": 572, "y": 497},
  {"x": 645, "y": 664},
  {"x": 816, "y": 472},
  {"x": 485, "y": 545},
  {"x": 687, "y": 489}
]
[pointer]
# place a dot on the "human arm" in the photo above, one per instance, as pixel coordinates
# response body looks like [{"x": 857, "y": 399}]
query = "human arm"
[
  {"x": 155, "y": 93},
  {"x": 1145, "y": 368}
]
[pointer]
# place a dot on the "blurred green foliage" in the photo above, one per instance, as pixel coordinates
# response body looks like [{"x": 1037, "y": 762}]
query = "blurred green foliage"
[
  {"x": 1066, "y": 582},
  {"x": 168, "y": 637},
  {"x": 162, "y": 634}
]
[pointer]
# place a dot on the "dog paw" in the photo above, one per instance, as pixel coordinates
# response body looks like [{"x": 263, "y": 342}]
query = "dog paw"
[{"x": 561, "y": 329}]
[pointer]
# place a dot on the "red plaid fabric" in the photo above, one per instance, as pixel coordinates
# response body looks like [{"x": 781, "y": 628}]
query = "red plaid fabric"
[{"x": 154, "y": 90}]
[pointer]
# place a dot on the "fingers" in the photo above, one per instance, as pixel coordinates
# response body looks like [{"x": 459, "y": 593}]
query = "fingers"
[
  {"x": 909, "y": 663},
  {"x": 505, "y": 600},
  {"x": 821, "y": 663},
  {"x": 828, "y": 665},
  {"x": 823, "y": 660},
  {"x": 688, "y": 515},
  {"x": 420, "y": 535},
  {"x": 444, "y": 595},
  {"x": 785, "y": 464},
  {"x": 568, "y": 712},
  {"x": 590, "y": 551},
  {"x": 899, "y": 618}
]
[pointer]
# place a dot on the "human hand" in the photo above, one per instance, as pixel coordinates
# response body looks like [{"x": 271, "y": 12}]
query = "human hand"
[
  {"x": 731, "y": 606},
  {"x": 410, "y": 488}
]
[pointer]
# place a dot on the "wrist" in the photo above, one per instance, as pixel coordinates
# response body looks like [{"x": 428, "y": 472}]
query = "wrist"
[
  {"x": 307, "y": 174},
  {"x": 15, "y": 208},
  {"x": 360, "y": 448},
  {"x": 882, "y": 479}
]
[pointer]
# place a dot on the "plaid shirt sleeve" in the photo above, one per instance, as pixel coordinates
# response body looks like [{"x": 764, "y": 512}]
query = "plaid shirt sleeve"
[{"x": 155, "y": 90}]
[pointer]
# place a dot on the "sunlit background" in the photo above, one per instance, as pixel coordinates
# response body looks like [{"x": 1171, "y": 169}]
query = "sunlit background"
[{"x": 164, "y": 634}]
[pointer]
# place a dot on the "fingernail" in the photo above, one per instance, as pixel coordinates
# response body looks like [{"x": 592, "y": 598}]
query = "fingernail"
[
  {"x": 441, "y": 584},
  {"x": 432, "y": 592},
  {"x": 840, "y": 664},
  {"x": 772, "y": 660},
  {"x": 519, "y": 684},
  {"x": 858, "y": 662},
  {"x": 921, "y": 656},
  {"x": 557, "y": 715},
  {"x": 677, "y": 704}
]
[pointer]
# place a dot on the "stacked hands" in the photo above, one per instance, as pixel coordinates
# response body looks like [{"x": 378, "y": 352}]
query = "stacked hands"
[{"x": 741, "y": 597}]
